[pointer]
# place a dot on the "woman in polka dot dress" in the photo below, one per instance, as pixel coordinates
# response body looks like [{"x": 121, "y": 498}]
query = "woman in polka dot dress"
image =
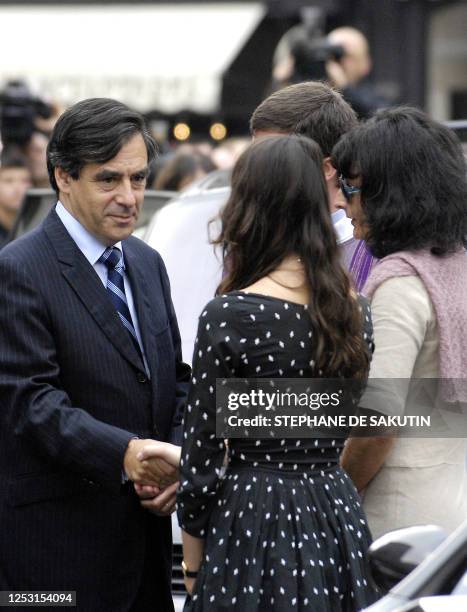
[{"x": 283, "y": 528}]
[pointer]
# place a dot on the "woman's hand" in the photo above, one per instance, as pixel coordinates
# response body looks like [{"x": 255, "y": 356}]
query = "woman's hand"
[
  {"x": 155, "y": 470},
  {"x": 163, "y": 459},
  {"x": 163, "y": 450}
]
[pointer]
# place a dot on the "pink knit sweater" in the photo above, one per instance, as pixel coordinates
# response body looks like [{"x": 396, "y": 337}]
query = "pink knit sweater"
[{"x": 445, "y": 279}]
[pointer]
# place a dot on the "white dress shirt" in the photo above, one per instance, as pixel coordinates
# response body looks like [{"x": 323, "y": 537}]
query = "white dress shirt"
[{"x": 342, "y": 226}]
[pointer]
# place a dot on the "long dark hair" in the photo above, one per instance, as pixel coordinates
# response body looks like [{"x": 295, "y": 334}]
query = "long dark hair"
[
  {"x": 279, "y": 206},
  {"x": 413, "y": 176}
]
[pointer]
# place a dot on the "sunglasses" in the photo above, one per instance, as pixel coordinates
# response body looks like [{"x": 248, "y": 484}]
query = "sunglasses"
[{"x": 348, "y": 190}]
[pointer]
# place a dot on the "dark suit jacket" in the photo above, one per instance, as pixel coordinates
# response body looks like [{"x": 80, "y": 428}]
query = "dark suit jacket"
[{"x": 73, "y": 392}]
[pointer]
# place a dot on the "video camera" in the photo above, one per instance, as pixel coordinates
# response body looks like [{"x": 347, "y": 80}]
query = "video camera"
[
  {"x": 18, "y": 111},
  {"x": 310, "y": 58},
  {"x": 310, "y": 49}
]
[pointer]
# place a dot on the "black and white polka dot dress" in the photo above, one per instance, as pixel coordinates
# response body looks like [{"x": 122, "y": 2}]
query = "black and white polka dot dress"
[{"x": 283, "y": 527}]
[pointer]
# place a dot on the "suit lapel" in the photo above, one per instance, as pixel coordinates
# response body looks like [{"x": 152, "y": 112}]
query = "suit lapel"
[{"x": 87, "y": 285}]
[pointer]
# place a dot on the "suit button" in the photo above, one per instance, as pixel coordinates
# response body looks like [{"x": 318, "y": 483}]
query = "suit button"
[{"x": 141, "y": 377}]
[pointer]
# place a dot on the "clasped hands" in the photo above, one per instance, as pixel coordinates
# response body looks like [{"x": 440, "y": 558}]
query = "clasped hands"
[{"x": 152, "y": 466}]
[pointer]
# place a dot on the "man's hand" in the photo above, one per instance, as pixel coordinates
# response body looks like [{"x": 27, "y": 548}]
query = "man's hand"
[
  {"x": 163, "y": 504},
  {"x": 150, "y": 468},
  {"x": 146, "y": 491}
]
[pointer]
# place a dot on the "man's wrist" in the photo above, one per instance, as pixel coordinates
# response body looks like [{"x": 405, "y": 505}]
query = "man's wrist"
[{"x": 125, "y": 476}]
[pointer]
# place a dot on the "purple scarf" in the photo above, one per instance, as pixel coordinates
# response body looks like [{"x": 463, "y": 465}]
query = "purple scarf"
[{"x": 445, "y": 279}]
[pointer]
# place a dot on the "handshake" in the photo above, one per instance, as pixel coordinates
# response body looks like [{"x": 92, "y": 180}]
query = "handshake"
[{"x": 152, "y": 466}]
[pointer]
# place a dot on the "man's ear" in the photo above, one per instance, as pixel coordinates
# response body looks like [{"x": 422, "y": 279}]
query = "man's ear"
[
  {"x": 63, "y": 179},
  {"x": 328, "y": 169}
]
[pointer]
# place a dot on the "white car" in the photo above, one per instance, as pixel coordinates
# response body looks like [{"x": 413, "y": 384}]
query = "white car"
[{"x": 421, "y": 569}]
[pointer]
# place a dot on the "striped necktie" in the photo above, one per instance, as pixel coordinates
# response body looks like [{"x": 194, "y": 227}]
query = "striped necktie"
[{"x": 112, "y": 257}]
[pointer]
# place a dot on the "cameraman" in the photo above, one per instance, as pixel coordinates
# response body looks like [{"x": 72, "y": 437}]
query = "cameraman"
[
  {"x": 349, "y": 74},
  {"x": 341, "y": 58},
  {"x": 25, "y": 120},
  {"x": 15, "y": 180},
  {"x": 35, "y": 151}
]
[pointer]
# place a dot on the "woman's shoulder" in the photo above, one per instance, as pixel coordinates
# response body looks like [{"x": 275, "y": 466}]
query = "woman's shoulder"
[
  {"x": 226, "y": 307},
  {"x": 223, "y": 301}
]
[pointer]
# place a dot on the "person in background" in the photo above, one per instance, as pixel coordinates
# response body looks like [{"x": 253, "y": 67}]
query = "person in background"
[
  {"x": 228, "y": 151},
  {"x": 350, "y": 73},
  {"x": 404, "y": 176},
  {"x": 182, "y": 169},
  {"x": 15, "y": 180},
  {"x": 36, "y": 154},
  {"x": 284, "y": 528},
  {"x": 316, "y": 111}
]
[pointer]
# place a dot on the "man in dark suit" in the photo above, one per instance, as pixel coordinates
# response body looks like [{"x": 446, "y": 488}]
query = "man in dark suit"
[{"x": 90, "y": 371}]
